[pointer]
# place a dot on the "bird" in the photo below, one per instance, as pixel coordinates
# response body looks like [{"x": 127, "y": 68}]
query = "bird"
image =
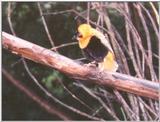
[{"x": 96, "y": 47}]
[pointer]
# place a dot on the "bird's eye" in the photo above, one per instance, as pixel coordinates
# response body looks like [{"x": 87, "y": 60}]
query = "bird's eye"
[{"x": 80, "y": 35}]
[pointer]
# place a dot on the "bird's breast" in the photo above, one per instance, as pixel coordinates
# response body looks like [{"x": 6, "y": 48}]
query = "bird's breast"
[{"x": 95, "y": 50}]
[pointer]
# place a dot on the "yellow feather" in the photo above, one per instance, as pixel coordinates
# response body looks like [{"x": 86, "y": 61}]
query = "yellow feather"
[
  {"x": 87, "y": 32},
  {"x": 84, "y": 42},
  {"x": 109, "y": 63}
]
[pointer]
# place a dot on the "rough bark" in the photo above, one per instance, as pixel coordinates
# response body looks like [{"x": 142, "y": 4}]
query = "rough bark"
[{"x": 47, "y": 57}]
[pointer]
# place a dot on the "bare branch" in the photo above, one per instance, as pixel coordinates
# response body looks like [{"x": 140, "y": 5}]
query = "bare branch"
[
  {"x": 43, "y": 103},
  {"x": 155, "y": 12},
  {"x": 54, "y": 98},
  {"x": 63, "y": 64},
  {"x": 88, "y": 12},
  {"x": 45, "y": 25},
  {"x": 148, "y": 40},
  {"x": 9, "y": 11},
  {"x": 126, "y": 107},
  {"x": 64, "y": 45},
  {"x": 100, "y": 101}
]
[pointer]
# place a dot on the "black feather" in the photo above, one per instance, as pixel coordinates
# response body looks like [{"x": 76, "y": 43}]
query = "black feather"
[{"x": 95, "y": 50}]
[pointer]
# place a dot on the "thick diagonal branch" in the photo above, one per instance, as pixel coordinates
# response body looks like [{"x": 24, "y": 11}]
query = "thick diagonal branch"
[
  {"x": 43, "y": 103},
  {"x": 63, "y": 64}
]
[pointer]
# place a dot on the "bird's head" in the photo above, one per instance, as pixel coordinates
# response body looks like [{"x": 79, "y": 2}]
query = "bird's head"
[{"x": 84, "y": 35}]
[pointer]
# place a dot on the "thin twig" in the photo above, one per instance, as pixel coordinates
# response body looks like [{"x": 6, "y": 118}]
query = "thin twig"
[
  {"x": 135, "y": 34},
  {"x": 58, "y": 12},
  {"x": 13, "y": 64},
  {"x": 131, "y": 54},
  {"x": 124, "y": 115},
  {"x": 54, "y": 98},
  {"x": 43, "y": 103},
  {"x": 88, "y": 12},
  {"x": 152, "y": 21},
  {"x": 143, "y": 112},
  {"x": 53, "y": 45},
  {"x": 155, "y": 12},
  {"x": 138, "y": 45},
  {"x": 78, "y": 14},
  {"x": 74, "y": 96},
  {"x": 146, "y": 29},
  {"x": 64, "y": 45},
  {"x": 97, "y": 98},
  {"x": 147, "y": 107},
  {"x": 45, "y": 25},
  {"x": 9, "y": 11},
  {"x": 97, "y": 111},
  {"x": 126, "y": 107},
  {"x": 107, "y": 97}
]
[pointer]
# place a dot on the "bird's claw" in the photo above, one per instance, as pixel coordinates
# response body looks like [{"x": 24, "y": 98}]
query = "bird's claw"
[{"x": 91, "y": 64}]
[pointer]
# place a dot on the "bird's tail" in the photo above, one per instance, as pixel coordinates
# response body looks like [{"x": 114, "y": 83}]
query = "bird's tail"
[{"x": 109, "y": 63}]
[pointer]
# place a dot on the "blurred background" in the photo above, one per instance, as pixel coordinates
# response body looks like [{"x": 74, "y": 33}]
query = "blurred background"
[{"x": 131, "y": 28}]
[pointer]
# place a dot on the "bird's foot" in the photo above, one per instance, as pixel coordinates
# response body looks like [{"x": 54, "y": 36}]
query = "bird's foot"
[{"x": 91, "y": 64}]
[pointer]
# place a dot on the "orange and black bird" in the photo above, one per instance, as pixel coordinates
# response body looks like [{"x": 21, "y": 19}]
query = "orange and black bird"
[{"x": 96, "y": 47}]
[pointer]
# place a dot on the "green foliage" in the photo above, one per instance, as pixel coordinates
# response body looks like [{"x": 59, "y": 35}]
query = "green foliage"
[
  {"x": 28, "y": 25},
  {"x": 52, "y": 82}
]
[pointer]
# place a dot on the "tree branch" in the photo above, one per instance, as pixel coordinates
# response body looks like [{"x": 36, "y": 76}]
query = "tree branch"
[
  {"x": 43, "y": 103},
  {"x": 63, "y": 64}
]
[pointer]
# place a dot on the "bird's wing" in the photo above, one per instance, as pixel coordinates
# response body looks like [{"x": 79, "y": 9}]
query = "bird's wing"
[{"x": 102, "y": 39}]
